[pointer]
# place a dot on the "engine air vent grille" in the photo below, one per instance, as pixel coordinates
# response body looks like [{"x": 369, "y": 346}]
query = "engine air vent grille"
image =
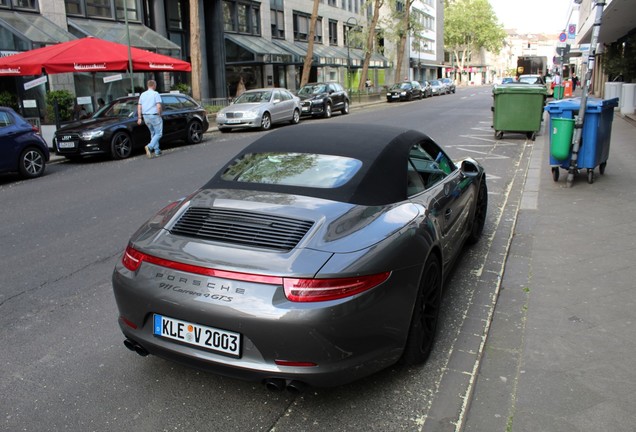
[{"x": 242, "y": 228}]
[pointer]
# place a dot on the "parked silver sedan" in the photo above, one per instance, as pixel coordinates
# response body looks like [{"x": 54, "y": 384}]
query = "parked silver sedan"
[{"x": 260, "y": 108}]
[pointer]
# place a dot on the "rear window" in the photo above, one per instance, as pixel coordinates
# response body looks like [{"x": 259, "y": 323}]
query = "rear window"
[{"x": 293, "y": 169}]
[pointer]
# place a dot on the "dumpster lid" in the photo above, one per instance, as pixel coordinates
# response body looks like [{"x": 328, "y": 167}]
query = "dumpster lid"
[
  {"x": 574, "y": 104},
  {"x": 519, "y": 88}
]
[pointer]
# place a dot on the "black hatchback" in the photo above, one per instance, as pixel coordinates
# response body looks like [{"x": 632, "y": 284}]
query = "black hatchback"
[
  {"x": 113, "y": 130},
  {"x": 405, "y": 91},
  {"x": 322, "y": 99}
]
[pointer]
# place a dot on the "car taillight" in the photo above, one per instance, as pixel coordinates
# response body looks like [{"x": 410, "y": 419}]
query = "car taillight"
[
  {"x": 315, "y": 290},
  {"x": 35, "y": 129},
  {"x": 132, "y": 258},
  {"x": 296, "y": 290}
]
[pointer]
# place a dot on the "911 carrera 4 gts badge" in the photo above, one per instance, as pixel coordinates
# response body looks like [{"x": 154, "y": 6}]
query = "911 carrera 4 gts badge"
[{"x": 223, "y": 291}]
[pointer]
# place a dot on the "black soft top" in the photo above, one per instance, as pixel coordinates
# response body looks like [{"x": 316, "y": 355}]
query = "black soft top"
[{"x": 383, "y": 151}]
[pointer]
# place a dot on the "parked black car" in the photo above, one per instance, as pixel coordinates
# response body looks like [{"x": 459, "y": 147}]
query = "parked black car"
[
  {"x": 427, "y": 90},
  {"x": 322, "y": 99},
  {"x": 450, "y": 84},
  {"x": 404, "y": 91},
  {"x": 113, "y": 130},
  {"x": 22, "y": 149}
]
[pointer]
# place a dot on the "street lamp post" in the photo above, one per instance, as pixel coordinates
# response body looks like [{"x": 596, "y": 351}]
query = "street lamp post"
[{"x": 350, "y": 20}]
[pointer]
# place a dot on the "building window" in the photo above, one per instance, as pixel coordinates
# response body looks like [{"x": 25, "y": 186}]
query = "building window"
[
  {"x": 25, "y": 4},
  {"x": 278, "y": 24},
  {"x": 333, "y": 32},
  {"x": 242, "y": 17},
  {"x": 332, "y": 3},
  {"x": 301, "y": 27},
  {"x": 111, "y": 9},
  {"x": 99, "y": 9}
]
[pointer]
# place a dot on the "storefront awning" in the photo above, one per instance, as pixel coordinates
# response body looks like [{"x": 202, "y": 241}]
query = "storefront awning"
[
  {"x": 241, "y": 48},
  {"x": 32, "y": 30},
  {"x": 327, "y": 55},
  {"x": 140, "y": 35}
]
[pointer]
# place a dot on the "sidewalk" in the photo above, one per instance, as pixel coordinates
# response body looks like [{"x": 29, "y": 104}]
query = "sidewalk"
[{"x": 561, "y": 349}]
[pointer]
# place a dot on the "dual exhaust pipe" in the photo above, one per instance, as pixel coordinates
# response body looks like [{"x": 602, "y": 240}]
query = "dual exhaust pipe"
[
  {"x": 280, "y": 384},
  {"x": 134, "y": 346},
  {"x": 272, "y": 384}
]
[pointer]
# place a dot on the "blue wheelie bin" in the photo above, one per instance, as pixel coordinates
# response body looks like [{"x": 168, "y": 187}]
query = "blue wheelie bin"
[{"x": 595, "y": 137}]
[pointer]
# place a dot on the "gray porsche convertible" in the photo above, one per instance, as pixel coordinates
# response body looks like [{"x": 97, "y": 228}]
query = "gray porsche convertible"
[{"x": 316, "y": 256}]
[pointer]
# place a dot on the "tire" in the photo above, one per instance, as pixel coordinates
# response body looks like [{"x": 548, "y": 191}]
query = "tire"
[
  {"x": 590, "y": 176},
  {"x": 555, "y": 174},
  {"x": 601, "y": 168},
  {"x": 266, "y": 122},
  {"x": 498, "y": 135},
  {"x": 345, "y": 110},
  {"x": 295, "y": 117},
  {"x": 120, "y": 145},
  {"x": 195, "y": 132},
  {"x": 481, "y": 209},
  {"x": 421, "y": 337},
  {"x": 531, "y": 135},
  {"x": 32, "y": 163},
  {"x": 327, "y": 111}
]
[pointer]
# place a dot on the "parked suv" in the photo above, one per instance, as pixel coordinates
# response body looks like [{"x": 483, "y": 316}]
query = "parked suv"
[
  {"x": 113, "y": 130},
  {"x": 322, "y": 99}
]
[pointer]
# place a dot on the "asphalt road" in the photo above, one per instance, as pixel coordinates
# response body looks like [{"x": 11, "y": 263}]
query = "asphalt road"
[{"x": 63, "y": 363}]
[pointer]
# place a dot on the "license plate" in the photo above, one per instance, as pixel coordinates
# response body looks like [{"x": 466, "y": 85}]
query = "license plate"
[
  {"x": 66, "y": 144},
  {"x": 213, "y": 339},
  {"x": 305, "y": 109},
  {"x": 234, "y": 121},
  {"x": 395, "y": 96}
]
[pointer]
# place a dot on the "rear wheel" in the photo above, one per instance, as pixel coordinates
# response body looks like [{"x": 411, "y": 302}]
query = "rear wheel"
[
  {"x": 481, "y": 207},
  {"x": 295, "y": 117},
  {"x": 345, "y": 110},
  {"x": 425, "y": 314},
  {"x": 120, "y": 145},
  {"x": 195, "y": 132},
  {"x": 32, "y": 163},
  {"x": 327, "y": 110},
  {"x": 266, "y": 122},
  {"x": 555, "y": 174}
]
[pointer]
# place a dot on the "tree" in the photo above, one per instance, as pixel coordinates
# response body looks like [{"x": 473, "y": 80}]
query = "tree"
[
  {"x": 195, "y": 49},
  {"x": 310, "y": 46},
  {"x": 404, "y": 27},
  {"x": 469, "y": 26},
  {"x": 370, "y": 45}
]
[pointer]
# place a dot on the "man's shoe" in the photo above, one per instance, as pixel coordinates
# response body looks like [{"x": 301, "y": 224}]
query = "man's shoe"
[
  {"x": 158, "y": 154},
  {"x": 148, "y": 153}
]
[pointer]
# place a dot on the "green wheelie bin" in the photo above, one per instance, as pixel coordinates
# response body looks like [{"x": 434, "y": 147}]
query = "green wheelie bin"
[{"x": 518, "y": 108}]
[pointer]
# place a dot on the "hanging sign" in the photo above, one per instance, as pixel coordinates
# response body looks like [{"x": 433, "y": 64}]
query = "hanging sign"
[{"x": 36, "y": 82}]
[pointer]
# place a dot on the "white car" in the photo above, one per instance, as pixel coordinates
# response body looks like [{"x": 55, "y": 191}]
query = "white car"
[{"x": 260, "y": 108}]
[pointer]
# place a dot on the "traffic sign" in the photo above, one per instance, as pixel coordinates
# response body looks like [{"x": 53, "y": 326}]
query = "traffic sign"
[{"x": 563, "y": 37}]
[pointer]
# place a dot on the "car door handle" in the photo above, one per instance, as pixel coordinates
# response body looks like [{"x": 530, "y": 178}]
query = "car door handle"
[{"x": 448, "y": 213}]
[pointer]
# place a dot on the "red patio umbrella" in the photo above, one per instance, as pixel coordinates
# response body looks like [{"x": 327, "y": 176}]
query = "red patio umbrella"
[{"x": 87, "y": 55}]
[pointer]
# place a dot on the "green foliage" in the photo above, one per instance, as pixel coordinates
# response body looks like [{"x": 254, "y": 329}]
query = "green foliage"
[
  {"x": 212, "y": 109},
  {"x": 619, "y": 60},
  {"x": 470, "y": 25},
  {"x": 182, "y": 88},
  {"x": 65, "y": 101},
  {"x": 8, "y": 100}
]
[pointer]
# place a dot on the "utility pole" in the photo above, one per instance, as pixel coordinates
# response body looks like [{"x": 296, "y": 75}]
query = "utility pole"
[{"x": 578, "y": 124}]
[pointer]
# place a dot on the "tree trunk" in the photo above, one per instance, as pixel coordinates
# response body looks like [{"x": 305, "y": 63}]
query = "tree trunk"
[
  {"x": 310, "y": 46},
  {"x": 370, "y": 43},
  {"x": 195, "y": 50},
  {"x": 402, "y": 42}
]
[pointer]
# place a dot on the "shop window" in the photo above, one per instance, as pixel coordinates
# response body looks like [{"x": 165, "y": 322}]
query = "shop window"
[
  {"x": 99, "y": 8},
  {"x": 131, "y": 9}
]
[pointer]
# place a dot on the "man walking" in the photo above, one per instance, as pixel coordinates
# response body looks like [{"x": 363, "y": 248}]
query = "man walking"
[{"x": 149, "y": 107}]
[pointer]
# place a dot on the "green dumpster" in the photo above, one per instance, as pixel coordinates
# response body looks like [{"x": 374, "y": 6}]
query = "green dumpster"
[
  {"x": 518, "y": 108},
  {"x": 558, "y": 92}
]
